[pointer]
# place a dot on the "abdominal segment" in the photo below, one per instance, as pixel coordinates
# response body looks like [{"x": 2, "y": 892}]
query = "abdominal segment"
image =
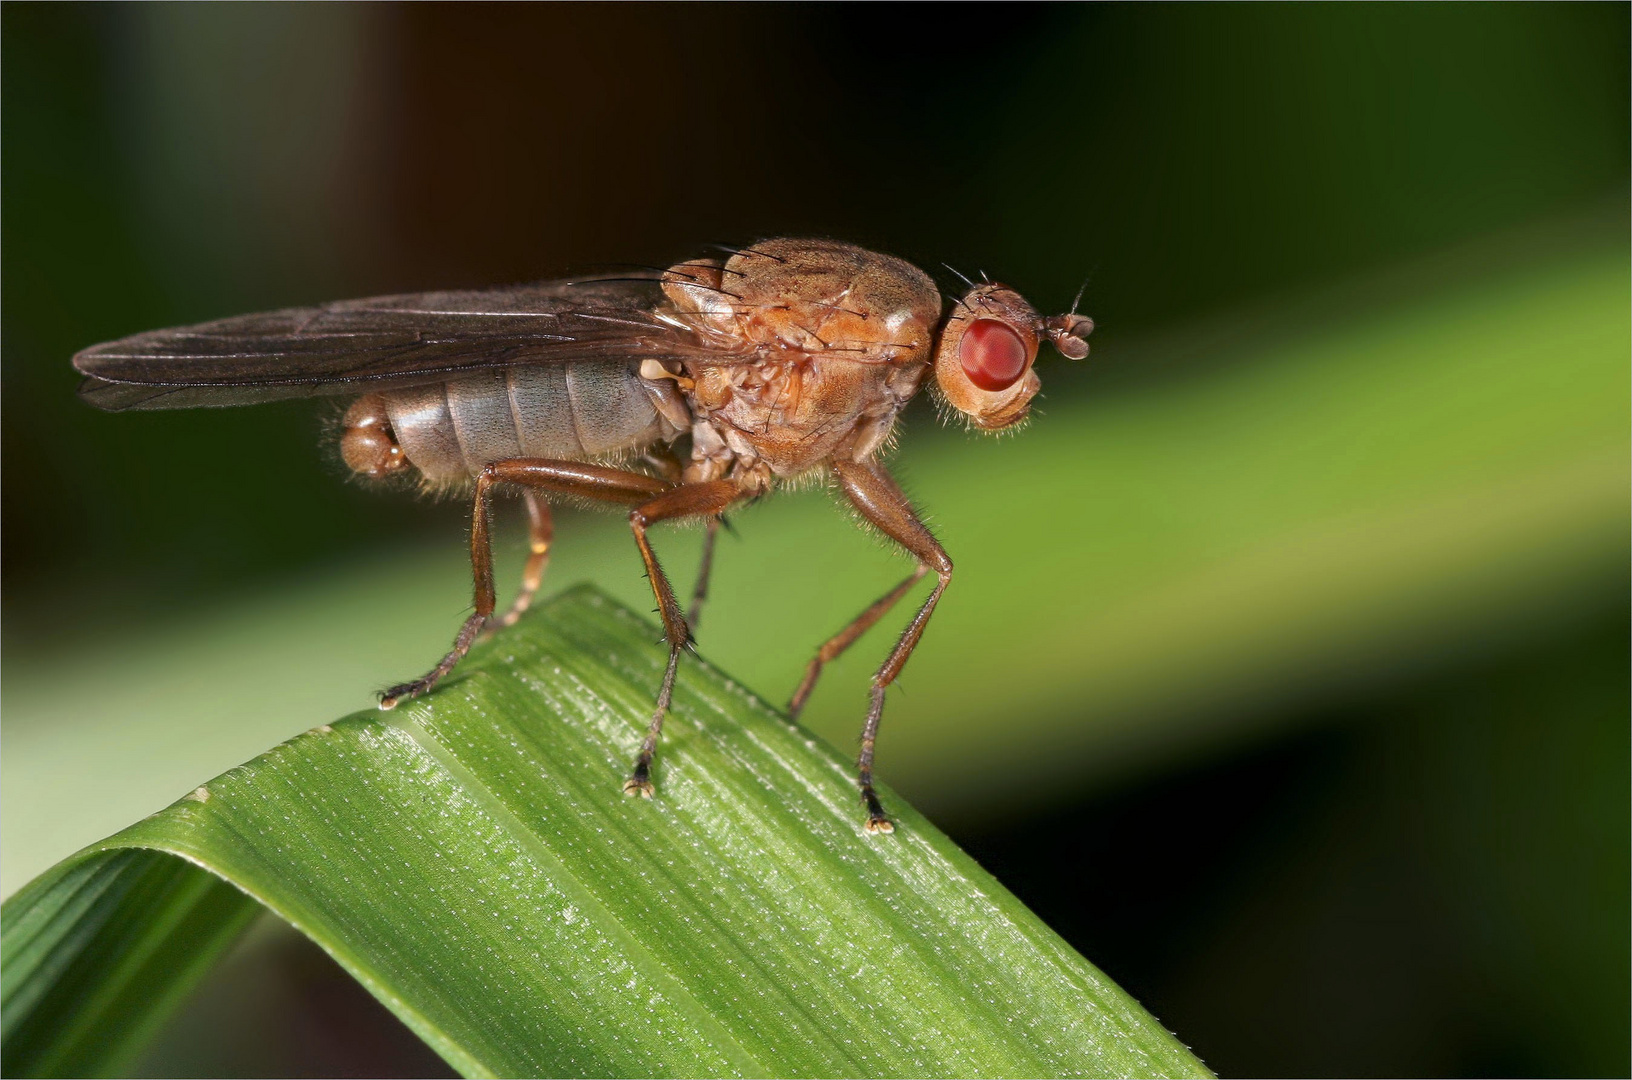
[{"x": 564, "y": 411}]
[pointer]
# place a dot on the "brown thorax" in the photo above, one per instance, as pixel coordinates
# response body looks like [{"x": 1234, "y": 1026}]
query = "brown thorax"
[{"x": 839, "y": 339}]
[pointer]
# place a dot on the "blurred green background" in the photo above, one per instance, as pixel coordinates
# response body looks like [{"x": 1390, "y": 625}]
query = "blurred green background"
[{"x": 1285, "y": 671}]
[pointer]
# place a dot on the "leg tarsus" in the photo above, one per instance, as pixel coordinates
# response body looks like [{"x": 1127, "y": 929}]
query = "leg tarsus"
[
  {"x": 640, "y": 777},
  {"x": 877, "y": 820},
  {"x": 640, "y": 780},
  {"x": 390, "y": 698}
]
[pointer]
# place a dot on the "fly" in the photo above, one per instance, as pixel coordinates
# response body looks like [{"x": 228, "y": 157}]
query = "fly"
[{"x": 678, "y": 395}]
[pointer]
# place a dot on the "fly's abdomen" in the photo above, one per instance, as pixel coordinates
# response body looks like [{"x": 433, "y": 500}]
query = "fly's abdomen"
[{"x": 573, "y": 412}]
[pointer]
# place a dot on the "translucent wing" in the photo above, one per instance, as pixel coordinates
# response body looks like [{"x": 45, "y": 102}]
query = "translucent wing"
[{"x": 391, "y": 341}]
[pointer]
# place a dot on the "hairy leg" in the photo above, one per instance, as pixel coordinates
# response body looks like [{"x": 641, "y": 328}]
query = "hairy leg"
[
  {"x": 687, "y": 500},
  {"x": 540, "y": 533},
  {"x": 564, "y": 477},
  {"x": 876, "y": 496}
]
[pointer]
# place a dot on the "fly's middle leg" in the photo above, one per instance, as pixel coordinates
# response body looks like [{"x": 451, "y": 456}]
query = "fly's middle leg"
[
  {"x": 705, "y": 566},
  {"x": 704, "y": 499},
  {"x": 540, "y": 533}
]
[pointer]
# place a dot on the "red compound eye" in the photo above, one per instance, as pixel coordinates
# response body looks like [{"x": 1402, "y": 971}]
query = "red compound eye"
[{"x": 992, "y": 354}]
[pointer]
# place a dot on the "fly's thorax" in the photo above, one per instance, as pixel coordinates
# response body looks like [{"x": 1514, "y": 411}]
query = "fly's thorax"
[
  {"x": 812, "y": 296},
  {"x": 796, "y": 411},
  {"x": 827, "y": 342}
]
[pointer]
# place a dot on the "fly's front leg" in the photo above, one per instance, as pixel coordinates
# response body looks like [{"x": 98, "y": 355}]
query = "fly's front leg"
[
  {"x": 540, "y": 533},
  {"x": 565, "y": 477},
  {"x": 872, "y": 492},
  {"x": 688, "y": 500}
]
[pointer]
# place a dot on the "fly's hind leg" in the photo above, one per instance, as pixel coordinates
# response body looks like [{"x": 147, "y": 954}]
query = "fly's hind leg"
[
  {"x": 654, "y": 500},
  {"x": 481, "y": 571},
  {"x": 565, "y": 477},
  {"x": 704, "y": 499},
  {"x": 670, "y": 467}
]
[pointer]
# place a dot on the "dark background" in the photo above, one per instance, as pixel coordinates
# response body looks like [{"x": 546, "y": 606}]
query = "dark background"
[
  {"x": 1357, "y": 897},
  {"x": 170, "y": 165}
]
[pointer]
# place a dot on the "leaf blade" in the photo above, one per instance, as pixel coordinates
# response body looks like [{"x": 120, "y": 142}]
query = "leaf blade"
[
  {"x": 473, "y": 862},
  {"x": 98, "y": 952}
]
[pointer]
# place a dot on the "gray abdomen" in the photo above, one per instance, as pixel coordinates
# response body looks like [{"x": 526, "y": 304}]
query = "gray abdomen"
[{"x": 573, "y": 412}]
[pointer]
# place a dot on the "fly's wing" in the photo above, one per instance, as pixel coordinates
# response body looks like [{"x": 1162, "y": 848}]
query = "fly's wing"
[{"x": 355, "y": 346}]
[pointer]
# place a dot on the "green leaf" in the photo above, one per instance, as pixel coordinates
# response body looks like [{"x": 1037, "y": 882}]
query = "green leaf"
[
  {"x": 98, "y": 950},
  {"x": 471, "y": 859}
]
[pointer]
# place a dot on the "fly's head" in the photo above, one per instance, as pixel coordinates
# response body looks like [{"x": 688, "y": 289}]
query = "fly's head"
[{"x": 988, "y": 344}]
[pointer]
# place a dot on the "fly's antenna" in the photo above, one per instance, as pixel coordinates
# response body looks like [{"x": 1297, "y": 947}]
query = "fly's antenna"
[
  {"x": 1084, "y": 289},
  {"x": 1069, "y": 332},
  {"x": 1078, "y": 299}
]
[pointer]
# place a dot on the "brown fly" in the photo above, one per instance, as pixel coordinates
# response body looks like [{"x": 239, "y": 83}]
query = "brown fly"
[{"x": 679, "y": 395}]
